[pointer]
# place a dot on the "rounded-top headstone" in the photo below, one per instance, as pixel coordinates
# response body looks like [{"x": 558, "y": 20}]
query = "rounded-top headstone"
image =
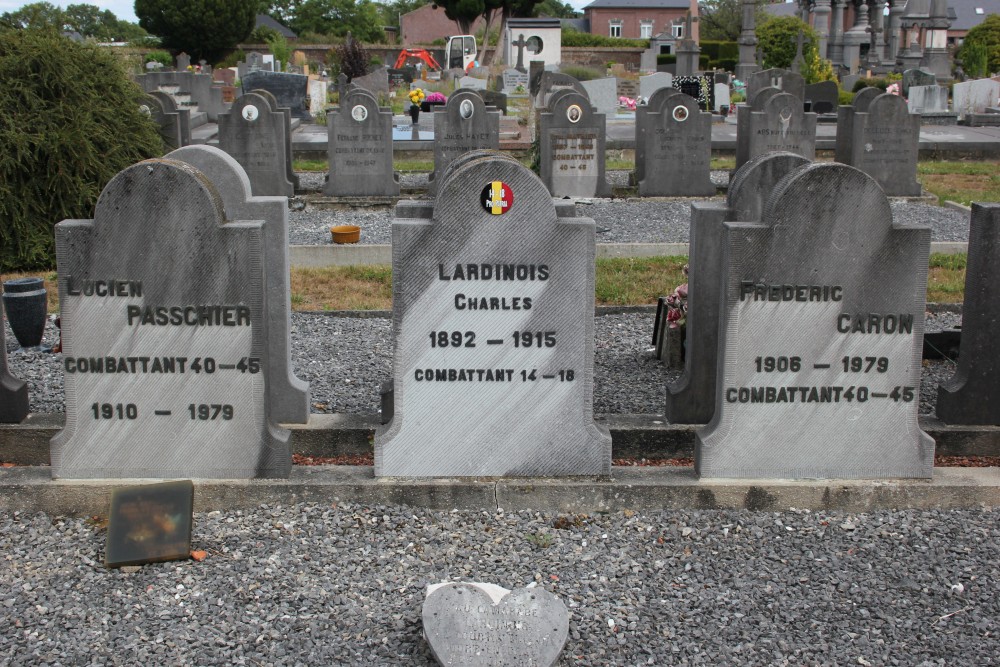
[
  {"x": 656, "y": 99},
  {"x": 864, "y": 97},
  {"x": 752, "y": 183},
  {"x": 228, "y": 177}
]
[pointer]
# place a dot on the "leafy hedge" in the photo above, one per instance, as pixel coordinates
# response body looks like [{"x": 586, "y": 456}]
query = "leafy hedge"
[
  {"x": 69, "y": 121},
  {"x": 572, "y": 37}
]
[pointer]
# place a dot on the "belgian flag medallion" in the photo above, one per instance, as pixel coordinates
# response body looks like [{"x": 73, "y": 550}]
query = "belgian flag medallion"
[{"x": 497, "y": 198}]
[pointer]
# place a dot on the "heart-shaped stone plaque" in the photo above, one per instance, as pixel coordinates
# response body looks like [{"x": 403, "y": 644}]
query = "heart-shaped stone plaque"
[{"x": 464, "y": 626}]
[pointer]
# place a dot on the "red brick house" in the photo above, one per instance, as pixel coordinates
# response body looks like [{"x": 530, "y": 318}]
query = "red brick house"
[
  {"x": 427, "y": 23},
  {"x": 640, "y": 19}
]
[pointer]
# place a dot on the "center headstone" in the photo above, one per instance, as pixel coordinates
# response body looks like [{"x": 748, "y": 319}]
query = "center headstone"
[
  {"x": 162, "y": 302},
  {"x": 465, "y": 124},
  {"x": 571, "y": 146},
  {"x": 677, "y": 148},
  {"x": 776, "y": 77},
  {"x": 774, "y": 122},
  {"x": 360, "y": 148},
  {"x": 883, "y": 142},
  {"x": 493, "y": 302},
  {"x": 822, "y": 332},
  {"x": 256, "y": 135}
]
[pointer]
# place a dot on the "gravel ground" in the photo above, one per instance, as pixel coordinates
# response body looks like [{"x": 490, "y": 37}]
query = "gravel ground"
[
  {"x": 618, "y": 220},
  {"x": 347, "y": 358},
  {"x": 343, "y": 585}
]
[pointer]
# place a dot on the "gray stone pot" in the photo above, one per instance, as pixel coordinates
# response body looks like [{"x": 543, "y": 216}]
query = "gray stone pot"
[{"x": 26, "y": 303}]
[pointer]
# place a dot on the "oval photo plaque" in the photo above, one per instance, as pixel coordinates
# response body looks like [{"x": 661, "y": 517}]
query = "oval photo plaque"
[
  {"x": 250, "y": 113},
  {"x": 466, "y": 109},
  {"x": 574, "y": 113},
  {"x": 680, "y": 113},
  {"x": 359, "y": 113}
]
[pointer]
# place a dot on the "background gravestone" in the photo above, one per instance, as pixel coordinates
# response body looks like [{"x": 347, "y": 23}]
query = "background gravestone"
[
  {"x": 917, "y": 77},
  {"x": 375, "y": 83},
  {"x": 603, "y": 95},
  {"x": 691, "y": 398},
  {"x": 782, "y": 79},
  {"x": 884, "y": 143},
  {"x": 504, "y": 386},
  {"x": 290, "y": 90},
  {"x": 168, "y": 124},
  {"x": 927, "y": 99},
  {"x": 653, "y": 82},
  {"x": 970, "y": 97},
  {"x": 292, "y": 177},
  {"x": 168, "y": 377},
  {"x": 774, "y": 122},
  {"x": 571, "y": 146},
  {"x": 464, "y": 125},
  {"x": 360, "y": 148},
  {"x": 13, "y": 392},
  {"x": 472, "y": 83},
  {"x": 177, "y": 124},
  {"x": 822, "y": 333},
  {"x": 699, "y": 86},
  {"x": 255, "y": 135},
  {"x": 288, "y": 396},
  {"x": 515, "y": 82},
  {"x": 643, "y": 129},
  {"x": 972, "y": 395},
  {"x": 678, "y": 149},
  {"x": 550, "y": 82},
  {"x": 823, "y": 97}
]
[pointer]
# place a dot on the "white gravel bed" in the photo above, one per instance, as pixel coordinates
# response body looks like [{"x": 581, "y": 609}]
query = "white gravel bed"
[
  {"x": 347, "y": 358},
  {"x": 343, "y": 584}
]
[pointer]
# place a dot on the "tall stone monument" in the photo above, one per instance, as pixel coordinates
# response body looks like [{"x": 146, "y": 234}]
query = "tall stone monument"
[
  {"x": 747, "y": 42},
  {"x": 163, "y": 306},
  {"x": 972, "y": 395},
  {"x": 494, "y": 332},
  {"x": 822, "y": 332}
]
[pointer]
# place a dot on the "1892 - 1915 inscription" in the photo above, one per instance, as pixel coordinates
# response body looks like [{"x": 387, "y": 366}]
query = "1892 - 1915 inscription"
[
  {"x": 493, "y": 325},
  {"x": 821, "y": 334},
  {"x": 164, "y": 335}
]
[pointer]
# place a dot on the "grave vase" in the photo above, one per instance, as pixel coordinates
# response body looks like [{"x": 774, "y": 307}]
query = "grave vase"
[
  {"x": 25, "y": 300},
  {"x": 414, "y": 113}
]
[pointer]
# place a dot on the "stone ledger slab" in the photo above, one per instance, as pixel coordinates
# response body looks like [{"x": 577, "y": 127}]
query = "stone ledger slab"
[
  {"x": 493, "y": 331},
  {"x": 972, "y": 395},
  {"x": 287, "y": 395},
  {"x": 465, "y": 624},
  {"x": 167, "y": 377},
  {"x": 822, "y": 331}
]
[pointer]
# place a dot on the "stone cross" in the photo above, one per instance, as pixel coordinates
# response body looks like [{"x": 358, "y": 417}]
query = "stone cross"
[
  {"x": 520, "y": 44},
  {"x": 799, "y": 59}
]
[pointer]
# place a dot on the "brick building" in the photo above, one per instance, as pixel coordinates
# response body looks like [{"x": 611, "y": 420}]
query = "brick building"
[
  {"x": 640, "y": 19},
  {"x": 427, "y": 23}
]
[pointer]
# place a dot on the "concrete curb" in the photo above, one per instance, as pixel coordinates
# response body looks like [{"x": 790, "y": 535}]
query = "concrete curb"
[
  {"x": 318, "y": 256},
  {"x": 955, "y": 206},
  {"x": 31, "y": 490},
  {"x": 633, "y": 436}
]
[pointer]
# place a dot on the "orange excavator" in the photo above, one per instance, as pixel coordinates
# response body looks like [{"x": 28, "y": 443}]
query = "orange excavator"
[
  {"x": 420, "y": 54},
  {"x": 459, "y": 52}
]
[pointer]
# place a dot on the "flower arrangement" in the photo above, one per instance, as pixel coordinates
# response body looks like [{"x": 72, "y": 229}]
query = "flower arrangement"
[
  {"x": 417, "y": 96},
  {"x": 677, "y": 305},
  {"x": 436, "y": 98},
  {"x": 627, "y": 102}
]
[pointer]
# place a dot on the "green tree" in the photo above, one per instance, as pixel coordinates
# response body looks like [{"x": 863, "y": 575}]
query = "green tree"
[
  {"x": 205, "y": 29},
  {"x": 555, "y": 9},
  {"x": 722, "y": 20},
  {"x": 101, "y": 24},
  {"x": 335, "y": 18},
  {"x": 985, "y": 36},
  {"x": 69, "y": 121},
  {"x": 779, "y": 40},
  {"x": 36, "y": 15}
]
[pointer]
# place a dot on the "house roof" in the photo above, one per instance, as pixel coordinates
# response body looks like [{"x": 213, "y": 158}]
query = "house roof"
[
  {"x": 268, "y": 22},
  {"x": 966, "y": 16},
  {"x": 638, "y": 4}
]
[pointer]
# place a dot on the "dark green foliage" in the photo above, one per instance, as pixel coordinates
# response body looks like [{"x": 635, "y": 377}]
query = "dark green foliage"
[
  {"x": 845, "y": 98},
  {"x": 204, "y": 29},
  {"x": 69, "y": 121},
  {"x": 330, "y": 18},
  {"x": 666, "y": 59},
  {"x": 572, "y": 37},
  {"x": 726, "y": 64},
  {"x": 581, "y": 73},
  {"x": 778, "y": 36},
  {"x": 975, "y": 59},
  {"x": 161, "y": 57},
  {"x": 986, "y": 35},
  {"x": 88, "y": 20},
  {"x": 879, "y": 83},
  {"x": 703, "y": 61},
  {"x": 351, "y": 59}
]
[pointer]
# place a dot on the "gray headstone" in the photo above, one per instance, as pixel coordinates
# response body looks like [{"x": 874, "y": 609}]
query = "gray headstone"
[
  {"x": 399, "y": 78},
  {"x": 917, "y": 77},
  {"x": 722, "y": 98},
  {"x": 168, "y": 378},
  {"x": 375, "y": 82},
  {"x": 495, "y": 99},
  {"x": 823, "y": 97},
  {"x": 571, "y": 147},
  {"x": 700, "y": 87},
  {"x": 515, "y": 82},
  {"x": 822, "y": 332},
  {"x": 175, "y": 122},
  {"x": 927, "y": 99},
  {"x": 975, "y": 96},
  {"x": 168, "y": 124},
  {"x": 691, "y": 399},
  {"x": 290, "y": 90},
  {"x": 972, "y": 395},
  {"x": 864, "y": 97},
  {"x": 553, "y": 81},
  {"x": 254, "y": 62},
  {"x": 784, "y": 80},
  {"x": 255, "y": 135},
  {"x": 287, "y": 395},
  {"x": 653, "y": 82},
  {"x": 472, "y": 83},
  {"x": 493, "y": 267},
  {"x": 677, "y": 148},
  {"x": 535, "y": 70},
  {"x": 360, "y": 148},
  {"x": 13, "y": 392},
  {"x": 183, "y": 61},
  {"x": 643, "y": 128},
  {"x": 883, "y": 142},
  {"x": 627, "y": 88},
  {"x": 779, "y": 124},
  {"x": 463, "y": 125},
  {"x": 289, "y": 172},
  {"x": 465, "y": 626},
  {"x": 224, "y": 75},
  {"x": 603, "y": 95}
]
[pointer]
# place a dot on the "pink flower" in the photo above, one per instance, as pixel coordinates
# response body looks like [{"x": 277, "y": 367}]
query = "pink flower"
[{"x": 682, "y": 291}]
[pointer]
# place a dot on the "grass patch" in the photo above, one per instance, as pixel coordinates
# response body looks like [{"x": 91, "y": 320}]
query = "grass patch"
[
  {"x": 342, "y": 288},
  {"x": 309, "y": 165},
  {"x": 413, "y": 165},
  {"x": 623, "y": 281},
  {"x": 946, "y": 278},
  {"x": 723, "y": 163},
  {"x": 51, "y": 285},
  {"x": 964, "y": 182}
]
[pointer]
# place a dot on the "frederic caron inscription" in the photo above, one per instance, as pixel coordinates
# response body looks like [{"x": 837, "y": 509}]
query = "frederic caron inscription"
[
  {"x": 855, "y": 365},
  {"x": 521, "y": 340},
  {"x": 201, "y": 315}
]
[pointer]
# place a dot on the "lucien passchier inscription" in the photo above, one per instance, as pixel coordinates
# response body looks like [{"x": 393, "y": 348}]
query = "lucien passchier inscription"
[
  {"x": 163, "y": 322},
  {"x": 822, "y": 331},
  {"x": 493, "y": 325}
]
